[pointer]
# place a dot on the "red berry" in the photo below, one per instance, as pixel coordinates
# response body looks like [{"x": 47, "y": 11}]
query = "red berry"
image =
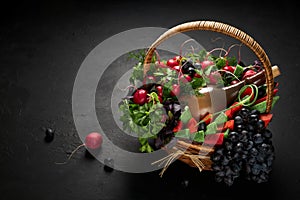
[
  {"x": 185, "y": 78},
  {"x": 172, "y": 63},
  {"x": 175, "y": 90},
  {"x": 159, "y": 89},
  {"x": 206, "y": 63},
  {"x": 93, "y": 140},
  {"x": 249, "y": 73},
  {"x": 188, "y": 78},
  {"x": 229, "y": 69},
  {"x": 140, "y": 97},
  {"x": 177, "y": 58},
  {"x": 177, "y": 68}
]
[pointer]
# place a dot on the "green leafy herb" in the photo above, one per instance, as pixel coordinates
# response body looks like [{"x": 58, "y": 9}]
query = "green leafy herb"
[
  {"x": 220, "y": 62},
  {"x": 186, "y": 115},
  {"x": 221, "y": 118},
  {"x": 238, "y": 70},
  {"x": 143, "y": 120},
  {"x": 184, "y": 133},
  {"x": 262, "y": 106},
  {"x": 197, "y": 136},
  {"x": 211, "y": 128}
]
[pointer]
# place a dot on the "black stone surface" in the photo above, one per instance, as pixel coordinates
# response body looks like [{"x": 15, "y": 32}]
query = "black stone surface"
[{"x": 42, "y": 45}]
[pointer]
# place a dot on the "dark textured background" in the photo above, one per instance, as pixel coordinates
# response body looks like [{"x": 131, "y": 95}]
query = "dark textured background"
[{"x": 42, "y": 44}]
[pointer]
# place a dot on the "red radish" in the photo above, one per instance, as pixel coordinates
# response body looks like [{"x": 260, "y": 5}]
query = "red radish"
[
  {"x": 175, "y": 90},
  {"x": 177, "y": 58},
  {"x": 140, "y": 97},
  {"x": 249, "y": 73},
  {"x": 185, "y": 78},
  {"x": 192, "y": 125},
  {"x": 229, "y": 69},
  {"x": 172, "y": 63},
  {"x": 93, "y": 141},
  {"x": 160, "y": 99},
  {"x": 206, "y": 63},
  {"x": 188, "y": 78},
  {"x": 177, "y": 68},
  {"x": 178, "y": 127},
  {"x": 159, "y": 89}
]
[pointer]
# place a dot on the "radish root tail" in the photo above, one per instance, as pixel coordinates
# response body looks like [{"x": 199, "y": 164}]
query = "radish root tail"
[{"x": 71, "y": 155}]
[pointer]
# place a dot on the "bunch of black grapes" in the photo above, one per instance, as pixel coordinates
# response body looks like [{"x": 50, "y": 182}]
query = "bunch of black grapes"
[{"x": 247, "y": 151}]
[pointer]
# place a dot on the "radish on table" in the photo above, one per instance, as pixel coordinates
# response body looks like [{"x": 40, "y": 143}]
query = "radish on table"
[{"x": 93, "y": 141}]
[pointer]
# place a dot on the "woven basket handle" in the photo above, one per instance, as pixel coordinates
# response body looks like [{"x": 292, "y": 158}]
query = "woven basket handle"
[{"x": 227, "y": 30}]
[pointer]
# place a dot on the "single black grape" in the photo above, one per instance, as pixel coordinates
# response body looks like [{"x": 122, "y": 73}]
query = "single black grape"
[
  {"x": 260, "y": 124},
  {"x": 248, "y": 145},
  {"x": 257, "y": 138},
  {"x": 239, "y": 147},
  {"x": 49, "y": 134},
  {"x": 253, "y": 118},
  {"x": 187, "y": 67},
  {"x": 254, "y": 151},
  {"x": 238, "y": 120},
  {"x": 228, "y": 145},
  {"x": 202, "y": 126},
  {"x": 216, "y": 157},
  {"x": 250, "y": 128},
  {"x": 108, "y": 164},
  {"x": 267, "y": 134},
  {"x": 244, "y": 112},
  {"x": 254, "y": 112},
  {"x": 239, "y": 127}
]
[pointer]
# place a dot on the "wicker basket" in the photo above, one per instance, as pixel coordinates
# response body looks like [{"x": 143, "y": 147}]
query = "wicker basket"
[{"x": 197, "y": 155}]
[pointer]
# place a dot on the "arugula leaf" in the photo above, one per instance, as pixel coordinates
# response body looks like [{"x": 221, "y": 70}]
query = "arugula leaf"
[
  {"x": 220, "y": 62},
  {"x": 211, "y": 128},
  {"x": 238, "y": 70},
  {"x": 222, "y": 118},
  {"x": 184, "y": 133},
  {"x": 197, "y": 136},
  {"x": 197, "y": 82},
  {"x": 262, "y": 106},
  {"x": 186, "y": 115}
]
